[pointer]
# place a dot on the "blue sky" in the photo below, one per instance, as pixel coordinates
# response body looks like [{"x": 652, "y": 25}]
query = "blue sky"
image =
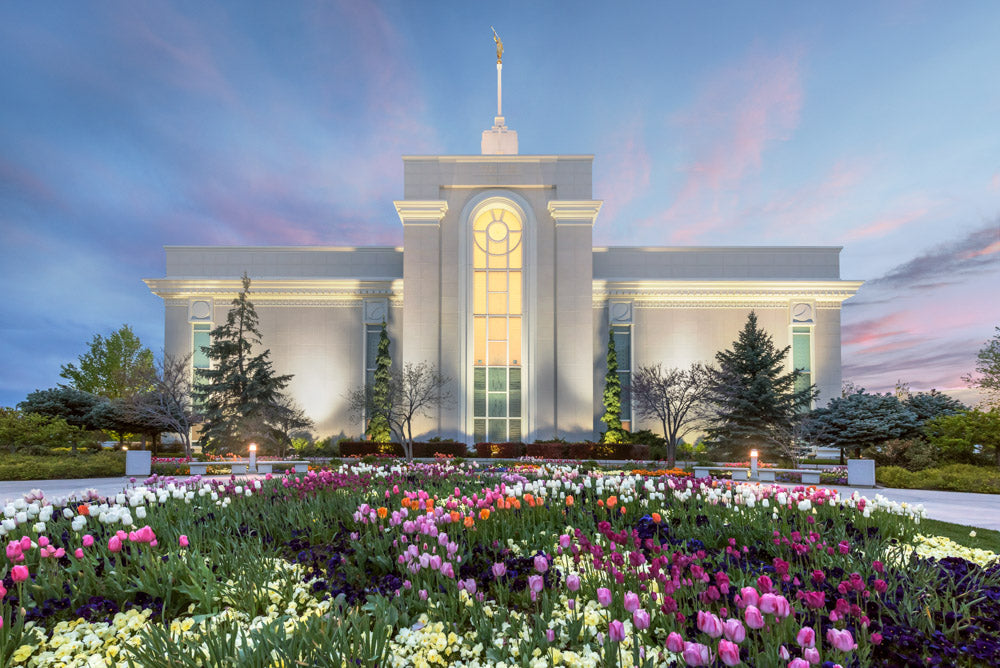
[{"x": 128, "y": 126}]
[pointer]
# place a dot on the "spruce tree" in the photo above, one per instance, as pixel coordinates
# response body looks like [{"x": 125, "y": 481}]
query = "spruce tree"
[
  {"x": 755, "y": 400},
  {"x": 612, "y": 396},
  {"x": 378, "y": 426},
  {"x": 239, "y": 395}
]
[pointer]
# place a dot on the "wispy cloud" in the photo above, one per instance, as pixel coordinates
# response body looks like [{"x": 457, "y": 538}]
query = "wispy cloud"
[
  {"x": 736, "y": 116},
  {"x": 622, "y": 172},
  {"x": 975, "y": 253}
]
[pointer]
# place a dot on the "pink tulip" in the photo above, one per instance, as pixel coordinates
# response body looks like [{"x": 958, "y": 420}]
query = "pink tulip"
[
  {"x": 19, "y": 573},
  {"x": 3, "y": 591},
  {"x": 536, "y": 583},
  {"x": 696, "y": 654},
  {"x": 783, "y": 653},
  {"x": 798, "y": 663},
  {"x": 573, "y": 582},
  {"x": 729, "y": 653},
  {"x": 811, "y": 654},
  {"x": 806, "y": 637},
  {"x": 842, "y": 640},
  {"x": 1, "y": 621},
  {"x": 564, "y": 541},
  {"x": 631, "y": 601},
  {"x": 60, "y": 553},
  {"x": 753, "y": 618},
  {"x": 115, "y": 544},
  {"x": 782, "y": 608},
  {"x": 640, "y": 619},
  {"x": 675, "y": 643},
  {"x": 43, "y": 541},
  {"x": 541, "y": 563},
  {"x": 88, "y": 540},
  {"x": 183, "y": 540},
  {"x": 748, "y": 596},
  {"x": 768, "y": 604},
  {"x": 734, "y": 631},
  {"x": 499, "y": 569},
  {"x": 604, "y": 596},
  {"x": 447, "y": 570},
  {"x": 709, "y": 623},
  {"x": 25, "y": 543},
  {"x": 146, "y": 534},
  {"x": 616, "y": 631},
  {"x": 550, "y": 635},
  {"x": 79, "y": 553},
  {"x": 876, "y": 638}
]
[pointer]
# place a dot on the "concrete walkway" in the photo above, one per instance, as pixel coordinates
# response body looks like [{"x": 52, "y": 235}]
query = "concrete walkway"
[{"x": 974, "y": 510}]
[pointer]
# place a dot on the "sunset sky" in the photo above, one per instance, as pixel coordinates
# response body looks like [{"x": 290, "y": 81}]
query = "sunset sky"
[{"x": 128, "y": 126}]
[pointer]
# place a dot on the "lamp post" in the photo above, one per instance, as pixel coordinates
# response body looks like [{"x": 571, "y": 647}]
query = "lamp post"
[
  {"x": 753, "y": 464},
  {"x": 253, "y": 457}
]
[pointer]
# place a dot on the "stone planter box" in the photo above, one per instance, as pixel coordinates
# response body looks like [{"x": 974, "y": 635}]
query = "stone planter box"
[
  {"x": 861, "y": 472},
  {"x": 138, "y": 462}
]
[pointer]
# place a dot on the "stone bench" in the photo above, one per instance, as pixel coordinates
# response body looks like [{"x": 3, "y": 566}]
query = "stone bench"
[
  {"x": 242, "y": 466},
  {"x": 809, "y": 476}
]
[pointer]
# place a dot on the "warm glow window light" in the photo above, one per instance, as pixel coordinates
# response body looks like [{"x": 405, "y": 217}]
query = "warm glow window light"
[{"x": 497, "y": 289}]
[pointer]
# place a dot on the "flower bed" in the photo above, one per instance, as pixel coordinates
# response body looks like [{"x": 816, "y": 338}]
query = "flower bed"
[{"x": 410, "y": 564}]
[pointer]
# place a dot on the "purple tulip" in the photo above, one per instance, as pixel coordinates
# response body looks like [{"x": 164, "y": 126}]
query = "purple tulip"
[
  {"x": 729, "y": 653},
  {"x": 640, "y": 619},
  {"x": 696, "y": 654},
  {"x": 734, "y": 631},
  {"x": 541, "y": 563},
  {"x": 616, "y": 631},
  {"x": 573, "y": 582},
  {"x": 631, "y": 601},
  {"x": 604, "y": 596},
  {"x": 499, "y": 569},
  {"x": 536, "y": 583},
  {"x": 710, "y": 624},
  {"x": 675, "y": 643},
  {"x": 753, "y": 618}
]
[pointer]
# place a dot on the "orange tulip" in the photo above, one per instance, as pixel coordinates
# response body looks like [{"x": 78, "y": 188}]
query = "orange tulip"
[
  {"x": 484, "y": 514},
  {"x": 406, "y": 502},
  {"x": 600, "y": 502},
  {"x": 500, "y": 504},
  {"x": 517, "y": 504},
  {"x": 382, "y": 512},
  {"x": 612, "y": 501},
  {"x": 656, "y": 518},
  {"x": 83, "y": 509},
  {"x": 569, "y": 499},
  {"x": 469, "y": 522},
  {"x": 455, "y": 516},
  {"x": 530, "y": 499},
  {"x": 429, "y": 504}
]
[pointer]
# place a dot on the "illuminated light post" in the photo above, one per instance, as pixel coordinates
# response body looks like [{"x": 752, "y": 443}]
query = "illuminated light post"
[
  {"x": 253, "y": 457},
  {"x": 753, "y": 464}
]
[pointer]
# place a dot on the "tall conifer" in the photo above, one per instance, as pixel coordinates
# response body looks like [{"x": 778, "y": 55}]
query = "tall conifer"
[
  {"x": 755, "y": 400},
  {"x": 240, "y": 393},
  {"x": 378, "y": 426},
  {"x": 612, "y": 396}
]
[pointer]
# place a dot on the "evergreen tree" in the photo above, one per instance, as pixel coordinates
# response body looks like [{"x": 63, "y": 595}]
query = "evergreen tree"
[
  {"x": 862, "y": 420},
  {"x": 755, "y": 400},
  {"x": 612, "y": 396},
  {"x": 240, "y": 394},
  {"x": 378, "y": 426}
]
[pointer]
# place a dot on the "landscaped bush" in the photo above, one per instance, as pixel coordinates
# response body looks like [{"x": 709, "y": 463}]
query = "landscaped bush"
[
  {"x": 83, "y": 464},
  {"x": 912, "y": 454},
  {"x": 500, "y": 450},
  {"x": 954, "y": 477},
  {"x": 428, "y": 564},
  {"x": 432, "y": 448},
  {"x": 363, "y": 448},
  {"x": 20, "y": 430}
]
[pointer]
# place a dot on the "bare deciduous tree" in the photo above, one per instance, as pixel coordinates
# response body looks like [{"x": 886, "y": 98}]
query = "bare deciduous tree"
[
  {"x": 289, "y": 419},
  {"x": 674, "y": 397},
  {"x": 418, "y": 389},
  {"x": 169, "y": 405}
]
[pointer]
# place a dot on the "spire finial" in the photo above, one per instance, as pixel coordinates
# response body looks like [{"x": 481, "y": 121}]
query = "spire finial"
[{"x": 499, "y": 43}]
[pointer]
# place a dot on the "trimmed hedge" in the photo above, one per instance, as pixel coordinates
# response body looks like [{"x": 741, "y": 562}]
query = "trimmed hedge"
[
  {"x": 81, "y": 465},
  {"x": 955, "y": 477},
  {"x": 558, "y": 450},
  {"x": 363, "y": 448},
  {"x": 500, "y": 450}
]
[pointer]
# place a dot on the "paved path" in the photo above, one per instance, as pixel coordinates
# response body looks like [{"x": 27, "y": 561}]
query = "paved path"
[{"x": 977, "y": 510}]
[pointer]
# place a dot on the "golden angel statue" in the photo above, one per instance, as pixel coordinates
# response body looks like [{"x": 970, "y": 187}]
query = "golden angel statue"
[{"x": 499, "y": 43}]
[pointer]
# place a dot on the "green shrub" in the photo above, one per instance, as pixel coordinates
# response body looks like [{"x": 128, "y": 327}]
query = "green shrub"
[
  {"x": 954, "y": 477},
  {"x": 912, "y": 454},
  {"x": 19, "y": 466}
]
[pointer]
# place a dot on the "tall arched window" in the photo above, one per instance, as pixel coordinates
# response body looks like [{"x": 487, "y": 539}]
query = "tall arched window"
[{"x": 497, "y": 289}]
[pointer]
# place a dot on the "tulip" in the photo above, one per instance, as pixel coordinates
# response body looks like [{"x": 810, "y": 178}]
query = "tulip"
[
  {"x": 3, "y": 591},
  {"x": 573, "y": 582},
  {"x": 550, "y": 635},
  {"x": 19, "y": 573},
  {"x": 604, "y": 596},
  {"x": 675, "y": 643},
  {"x": 753, "y": 618},
  {"x": 710, "y": 624},
  {"x": 768, "y": 604},
  {"x": 43, "y": 541},
  {"x": 640, "y": 619},
  {"x": 447, "y": 570},
  {"x": 564, "y": 541},
  {"x": 88, "y": 540},
  {"x": 806, "y": 637},
  {"x": 536, "y": 583},
  {"x": 696, "y": 654},
  {"x": 616, "y": 631},
  {"x": 798, "y": 663},
  {"x": 782, "y": 608},
  {"x": 499, "y": 569},
  {"x": 729, "y": 653},
  {"x": 541, "y": 563},
  {"x": 876, "y": 638},
  {"x": 734, "y": 631},
  {"x": 183, "y": 540},
  {"x": 842, "y": 640},
  {"x": 423, "y": 594},
  {"x": 115, "y": 544},
  {"x": 631, "y": 601},
  {"x": 811, "y": 654},
  {"x": 784, "y": 653},
  {"x": 79, "y": 553},
  {"x": 748, "y": 596},
  {"x": 470, "y": 586}
]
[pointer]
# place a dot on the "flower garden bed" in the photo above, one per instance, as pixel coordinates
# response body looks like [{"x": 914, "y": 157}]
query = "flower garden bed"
[{"x": 439, "y": 564}]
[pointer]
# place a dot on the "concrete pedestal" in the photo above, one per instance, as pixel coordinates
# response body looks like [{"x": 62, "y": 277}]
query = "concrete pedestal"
[
  {"x": 861, "y": 472},
  {"x": 138, "y": 462}
]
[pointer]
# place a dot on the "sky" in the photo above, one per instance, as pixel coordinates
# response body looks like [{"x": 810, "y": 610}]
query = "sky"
[{"x": 128, "y": 126}]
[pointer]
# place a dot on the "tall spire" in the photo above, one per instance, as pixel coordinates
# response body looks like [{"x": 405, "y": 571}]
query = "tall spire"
[{"x": 499, "y": 140}]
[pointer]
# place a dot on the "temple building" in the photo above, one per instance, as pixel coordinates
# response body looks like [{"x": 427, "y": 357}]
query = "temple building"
[{"x": 498, "y": 284}]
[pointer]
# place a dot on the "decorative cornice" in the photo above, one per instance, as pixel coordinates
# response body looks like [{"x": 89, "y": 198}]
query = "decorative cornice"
[
  {"x": 661, "y": 294},
  {"x": 420, "y": 211},
  {"x": 272, "y": 290},
  {"x": 575, "y": 211}
]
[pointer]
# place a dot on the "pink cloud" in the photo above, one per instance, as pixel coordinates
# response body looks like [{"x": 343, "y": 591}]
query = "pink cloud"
[
  {"x": 995, "y": 181},
  {"x": 890, "y": 222},
  {"x": 989, "y": 250},
  {"x": 737, "y": 115},
  {"x": 874, "y": 330}
]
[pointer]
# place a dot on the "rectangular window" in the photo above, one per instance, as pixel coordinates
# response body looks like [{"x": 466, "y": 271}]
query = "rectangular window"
[
  {"x": 202, "y": 339},
  {"x": 623, "y": 350},
  {"x": 373, "y": 333},
  {"x": 802, "y": 357}
]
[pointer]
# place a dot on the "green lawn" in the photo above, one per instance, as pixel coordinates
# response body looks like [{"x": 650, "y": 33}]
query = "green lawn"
[{"x": 985, "y": 539}]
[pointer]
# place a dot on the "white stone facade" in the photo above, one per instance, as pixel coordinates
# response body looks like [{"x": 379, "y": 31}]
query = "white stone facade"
[{"x": 677, "y": 305}]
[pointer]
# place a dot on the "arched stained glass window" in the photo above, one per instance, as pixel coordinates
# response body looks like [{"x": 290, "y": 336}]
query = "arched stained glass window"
[{"x": 497, "y": 294}]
